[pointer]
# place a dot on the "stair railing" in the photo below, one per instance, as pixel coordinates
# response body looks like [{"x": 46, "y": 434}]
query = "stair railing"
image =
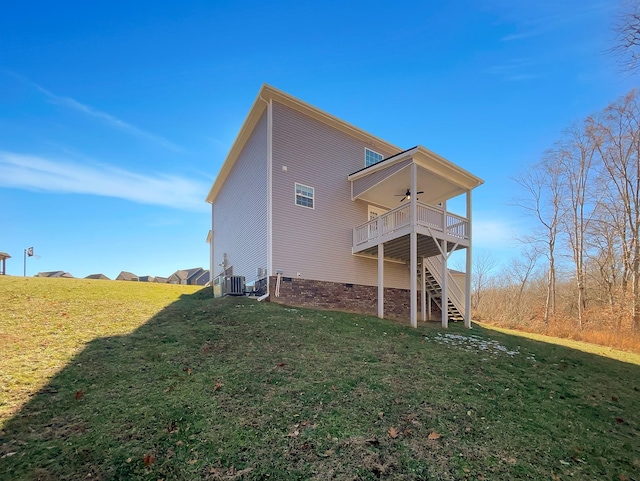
[{"x": 455, "y": 294}]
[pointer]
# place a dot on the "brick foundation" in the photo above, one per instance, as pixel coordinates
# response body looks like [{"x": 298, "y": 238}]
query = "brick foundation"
[{"x": 344, "y": 297}]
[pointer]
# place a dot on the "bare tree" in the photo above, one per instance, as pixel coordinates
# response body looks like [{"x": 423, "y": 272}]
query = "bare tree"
[
  {"x": 542, "y": 185},
  {"x": 483, "y": 264},
  {"x": 627, "y": 33},
  {"x": 575, "y": 155},
  {"x": 522, "y": 268},
  {"x": 604, "y": 265},
  {"x": 585, "y": 196},
  {"x": 618, "y": 143}
]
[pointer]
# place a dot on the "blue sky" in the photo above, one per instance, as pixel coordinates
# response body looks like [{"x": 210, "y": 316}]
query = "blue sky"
[{"x": 116, "y": 117}]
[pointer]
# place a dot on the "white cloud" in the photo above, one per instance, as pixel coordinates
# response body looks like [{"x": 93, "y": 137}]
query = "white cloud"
[
  {"x": 51, "y": 175},
  {"x": 109, "y": 119},
  {"x": 519, "y": 36},
  {"x": 519, "y": 78}
]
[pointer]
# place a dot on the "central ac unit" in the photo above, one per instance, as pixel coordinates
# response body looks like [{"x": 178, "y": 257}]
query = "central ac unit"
[{"x": 234, "y": 285}]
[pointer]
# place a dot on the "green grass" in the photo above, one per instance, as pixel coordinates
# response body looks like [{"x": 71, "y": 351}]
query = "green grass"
[{"x": 158, "y": 382}]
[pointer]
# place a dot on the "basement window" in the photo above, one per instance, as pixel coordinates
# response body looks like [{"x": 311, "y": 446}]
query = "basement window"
[{"x": 304, "y": 196}]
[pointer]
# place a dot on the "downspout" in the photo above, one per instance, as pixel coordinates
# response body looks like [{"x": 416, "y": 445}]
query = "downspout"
[
  {"x": 211, "y": 270},
  {"x": 278, "y": 285}
]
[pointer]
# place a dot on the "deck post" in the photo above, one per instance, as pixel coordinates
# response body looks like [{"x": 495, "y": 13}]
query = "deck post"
[
  {"x": 429, "y": 306},
  {"x": 381, "y": 280},
  {"x": 413, "y": 267},
  {"x": 445, "y": 291},
  {"x": 413, "y": 264},
  {"x": 467, "y": 279},
  {"x": 423, "y": 291}
]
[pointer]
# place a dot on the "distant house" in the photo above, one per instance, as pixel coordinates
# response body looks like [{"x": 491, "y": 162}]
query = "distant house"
[
  {"x": 97, "y": 276},
  {"x": 3, "y": 263},
  {"x": 143, "y": 279},
  {"x": 203, "y": 278},
  {"x": 196, "y": 276},
  {"x": 126, "y": 276},
  {"x": 52, "y": 274},
  {"x": 159, "y": 280}
]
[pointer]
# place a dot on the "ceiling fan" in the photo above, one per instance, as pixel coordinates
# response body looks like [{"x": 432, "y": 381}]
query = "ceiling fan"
[{"x": 407, "y": 195}]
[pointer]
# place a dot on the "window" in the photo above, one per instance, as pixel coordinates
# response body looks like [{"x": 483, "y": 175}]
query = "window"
[
  {"x": 304, "y": 196},
  {"x": 371, "y": 157}
]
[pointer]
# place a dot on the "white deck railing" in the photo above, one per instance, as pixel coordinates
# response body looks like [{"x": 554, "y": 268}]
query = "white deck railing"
[
  {"x": 433, "y": 217},
  {"x": 381, "y": 225}
]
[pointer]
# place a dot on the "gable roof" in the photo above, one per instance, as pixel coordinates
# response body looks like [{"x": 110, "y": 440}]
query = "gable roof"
[
  {"x": 143, "y": 278},
  {"x": 186, "y": 274},
  {"x": 54, "y": 274},
  {"x": 125, "y": 276},
  {"x": 435, "y": 162},
  {"x": 97, "y": 276},
  {"x": 456, "y": 179},
  {"x": 202, "y": 277},
  {"x": 267, "y": 93}
]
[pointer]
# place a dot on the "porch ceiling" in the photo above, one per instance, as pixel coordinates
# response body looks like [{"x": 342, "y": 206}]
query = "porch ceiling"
[
  {"x": 400, "y": 248},
  {"x": 388, "y": 192},
  {"x": 384, "y": 183}
]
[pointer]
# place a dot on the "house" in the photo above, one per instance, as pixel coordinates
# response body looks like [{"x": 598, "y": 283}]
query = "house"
[
  {"x": 321, "y": 213},
  {"x": 97, "y": 276},
  {"x": 126, "y": 276},
  {"x": 143, "y": 279},
  {"x": 3, "y": 263},
  {"x": 203, "y": 278},
  {"x": 159, "y": 280},
  {"x": 55, "y": 274},
  {"x": 196, "y": 276}
]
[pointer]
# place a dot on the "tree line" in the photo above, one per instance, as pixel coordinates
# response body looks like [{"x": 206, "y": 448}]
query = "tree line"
[{"x": 582, "y": 261}]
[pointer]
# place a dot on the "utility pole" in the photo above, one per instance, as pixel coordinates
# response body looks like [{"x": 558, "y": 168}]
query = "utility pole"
[{"x": 27, "y": 252}]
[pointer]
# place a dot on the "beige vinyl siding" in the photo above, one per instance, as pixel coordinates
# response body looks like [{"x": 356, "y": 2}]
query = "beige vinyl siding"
[
  {"x": 317, "y": 242},
  {"x": 240, "y": 210},
  {"x": 360, "y": 185}
]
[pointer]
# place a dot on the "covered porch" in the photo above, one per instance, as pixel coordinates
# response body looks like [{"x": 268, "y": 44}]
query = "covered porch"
[{"x": 410, "y": 223}]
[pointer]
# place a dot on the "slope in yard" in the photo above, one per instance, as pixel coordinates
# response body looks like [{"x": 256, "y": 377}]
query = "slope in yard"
[{"x": 234, "y": 389}]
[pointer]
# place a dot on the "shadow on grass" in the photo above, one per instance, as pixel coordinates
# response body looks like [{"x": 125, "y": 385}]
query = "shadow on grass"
[
  {"x": 233, "y": 389},
  {"x": 117, "y": 400}
]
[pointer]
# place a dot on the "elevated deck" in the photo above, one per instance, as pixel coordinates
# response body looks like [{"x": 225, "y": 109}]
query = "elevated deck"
[
  {"x": 419, "y": 228},
  {"x": 432, "y": 224}
]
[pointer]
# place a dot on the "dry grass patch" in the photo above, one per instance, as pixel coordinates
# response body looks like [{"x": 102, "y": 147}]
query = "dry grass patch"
[{"x": 601, "y": 348}]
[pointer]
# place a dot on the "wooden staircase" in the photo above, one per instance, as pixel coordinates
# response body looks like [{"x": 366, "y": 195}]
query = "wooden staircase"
[{"x": 433, "y": 278}]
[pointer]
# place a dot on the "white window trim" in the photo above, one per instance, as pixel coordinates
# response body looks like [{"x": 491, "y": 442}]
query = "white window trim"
[
  {"x": 375, "y": 152},
  {"x": 295, "y": 195}
]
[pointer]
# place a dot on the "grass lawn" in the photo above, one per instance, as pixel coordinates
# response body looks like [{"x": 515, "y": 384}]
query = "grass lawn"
[{"x": 106, "y": 380}]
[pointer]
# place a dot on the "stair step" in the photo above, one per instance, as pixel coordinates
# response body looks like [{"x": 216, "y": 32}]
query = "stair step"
[{"x": 435, "y": 290}]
